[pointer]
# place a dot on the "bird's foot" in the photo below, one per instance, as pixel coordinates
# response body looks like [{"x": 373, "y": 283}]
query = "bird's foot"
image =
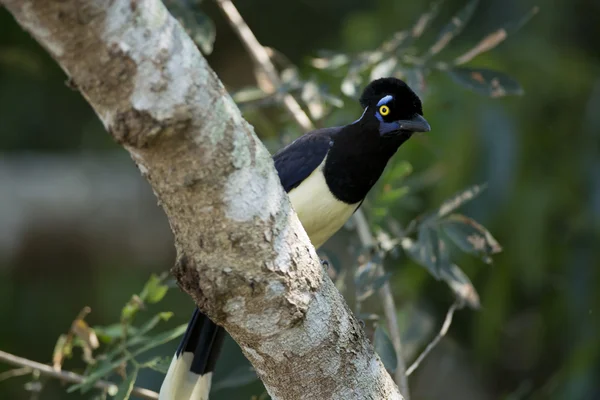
[{"x": 325, "y": 264}]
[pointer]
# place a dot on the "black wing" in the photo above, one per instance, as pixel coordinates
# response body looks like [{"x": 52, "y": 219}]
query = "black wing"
[{"x": 299, "y": 159}]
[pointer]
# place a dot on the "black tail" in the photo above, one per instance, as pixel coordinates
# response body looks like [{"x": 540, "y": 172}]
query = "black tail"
[{"x": 190, "y": 374}]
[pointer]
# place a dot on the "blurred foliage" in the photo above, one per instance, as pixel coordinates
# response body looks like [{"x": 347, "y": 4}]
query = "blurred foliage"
[
  {"x": 123, "y": 343},
  {"x": 535, "y": 336}
]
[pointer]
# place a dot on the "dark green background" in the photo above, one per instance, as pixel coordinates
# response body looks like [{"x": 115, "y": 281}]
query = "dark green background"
[{"x": 537, "y": 335}]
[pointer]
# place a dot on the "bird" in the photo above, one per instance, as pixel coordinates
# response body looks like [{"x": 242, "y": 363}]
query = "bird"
[{"x": 327, "y": 174}]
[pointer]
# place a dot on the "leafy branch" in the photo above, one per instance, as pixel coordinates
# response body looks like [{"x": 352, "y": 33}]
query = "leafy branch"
[
  {"x": 125, "y": 342},
  {"x": 110, "y": 352},
  {"x": 27, "y": 367},
  {"x": 399, "y": 56}
]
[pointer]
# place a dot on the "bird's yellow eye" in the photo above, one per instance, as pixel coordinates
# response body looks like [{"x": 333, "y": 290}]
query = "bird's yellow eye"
[{"x": 384, "y": 110}]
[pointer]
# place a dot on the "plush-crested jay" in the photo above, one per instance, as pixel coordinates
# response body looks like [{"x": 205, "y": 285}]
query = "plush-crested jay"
[{"x": 327, "y": 174}]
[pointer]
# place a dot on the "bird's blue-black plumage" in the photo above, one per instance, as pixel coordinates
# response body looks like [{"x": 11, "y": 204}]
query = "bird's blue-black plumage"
[{"x": 299, "y": 159}]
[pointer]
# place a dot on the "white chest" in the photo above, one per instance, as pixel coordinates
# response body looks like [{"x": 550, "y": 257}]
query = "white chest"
[{"x": 320, "y": 213}]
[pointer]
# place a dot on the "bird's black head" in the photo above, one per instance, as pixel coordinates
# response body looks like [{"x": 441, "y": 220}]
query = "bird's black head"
[
  {"x": 395, "y": 107},
  {"x": 358, "y": 152}
]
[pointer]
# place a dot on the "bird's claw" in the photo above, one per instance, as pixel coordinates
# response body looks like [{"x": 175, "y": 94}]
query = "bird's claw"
[{"x": 325, "y": 264}]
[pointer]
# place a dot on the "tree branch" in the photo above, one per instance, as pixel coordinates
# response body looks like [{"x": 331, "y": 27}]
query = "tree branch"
[
  {"x": 242, "y": 253},
  {"x": 28, "y": 366}
]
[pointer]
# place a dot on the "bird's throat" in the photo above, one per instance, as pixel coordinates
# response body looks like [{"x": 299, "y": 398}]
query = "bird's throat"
[{"x": 354, "y": 164}]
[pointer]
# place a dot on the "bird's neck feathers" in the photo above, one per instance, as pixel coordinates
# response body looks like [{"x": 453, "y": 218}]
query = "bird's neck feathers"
[{"x": 357, "y": 158}]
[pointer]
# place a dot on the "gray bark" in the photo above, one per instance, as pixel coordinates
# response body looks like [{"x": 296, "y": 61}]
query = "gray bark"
[{"x": 242, "y": 254}]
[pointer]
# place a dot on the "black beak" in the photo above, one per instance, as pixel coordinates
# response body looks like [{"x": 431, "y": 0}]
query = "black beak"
[{"x": 415, "y": 124}]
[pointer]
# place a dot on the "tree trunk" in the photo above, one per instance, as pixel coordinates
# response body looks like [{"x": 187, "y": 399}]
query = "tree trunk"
[{"x": 241, "y": 252}]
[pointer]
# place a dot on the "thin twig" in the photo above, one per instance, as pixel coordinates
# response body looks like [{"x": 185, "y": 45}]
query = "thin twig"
[
  {"x": 71, "y": 377},
  {"x": 261, "y": 57},
  {"x": 15, "y": 372},
  {"x": 389, "y": 307},
  {"x": 435, "y": 341},
  {"x": 363, "y": 230}
]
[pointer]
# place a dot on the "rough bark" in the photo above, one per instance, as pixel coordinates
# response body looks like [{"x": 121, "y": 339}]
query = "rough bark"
[{"x": 242, "y": 253}]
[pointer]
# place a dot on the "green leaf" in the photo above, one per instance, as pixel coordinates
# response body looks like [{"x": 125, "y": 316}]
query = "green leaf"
[
  {"x": 486, "y": 44},
  {"x": 131, "y": 308},
  {"x": 454, "y": 27},
  {"x": 380, "y": 281},
  {"x": 62, "y": 349},
  {"x": 513, "y": 27},
  {"x": 442, "y": 253},
  {"x": 150, "y": 324},
  {"x": 330, "y": 61},
  {"x": 385, "y": 349},
  {"x": 311, "y": 96},
  {"x": 414, "y": 77},
  {"x": 115, "y": 331},
  {"x": 249, "y": 94},
  {"x": 425, "y": 19},
  {"x": 365, "y": 274},
  {"x": 392, "y": 195},
  {"x": 457, "y": 200},
  {"x": 461, "y": 285},
  {"x": 154, "y": 290},
  {"x": 333, "y": 100},
  {"x": 384, "y": 68},
  {"x": 495, "y": 38},
  {"x": 369, "y": 288},
  {"x": 239, "y": 376},
  {"x": 470, "y": 236},
  {"x": 351, "y": 83},
  {"x": 429, "y": 251},
  {"x": 160, "y": 364},
  {"x": 399, "y": 171},
  {"x": 165, "y": 315},
  {"x": 108, "y": 334},
  {"x": 393, "y": 44},
  {"x": 126, "y": 387},
  {"x": 368, "y": 317},
  {"x": 162, "y": 338},
  {"x": 486, "y": 82}
]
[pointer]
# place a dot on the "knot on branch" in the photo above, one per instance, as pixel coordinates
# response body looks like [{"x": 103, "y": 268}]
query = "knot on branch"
[
  {"x": 140, "y": 129},
  {"x": 135, "y": 128}
]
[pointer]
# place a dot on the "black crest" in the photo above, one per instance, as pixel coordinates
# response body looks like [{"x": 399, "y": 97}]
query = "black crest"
[{"x": 403, "y": 94}]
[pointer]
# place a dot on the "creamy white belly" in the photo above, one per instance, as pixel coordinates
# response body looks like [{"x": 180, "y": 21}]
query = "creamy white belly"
[{"x": 320, "y": 213}]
